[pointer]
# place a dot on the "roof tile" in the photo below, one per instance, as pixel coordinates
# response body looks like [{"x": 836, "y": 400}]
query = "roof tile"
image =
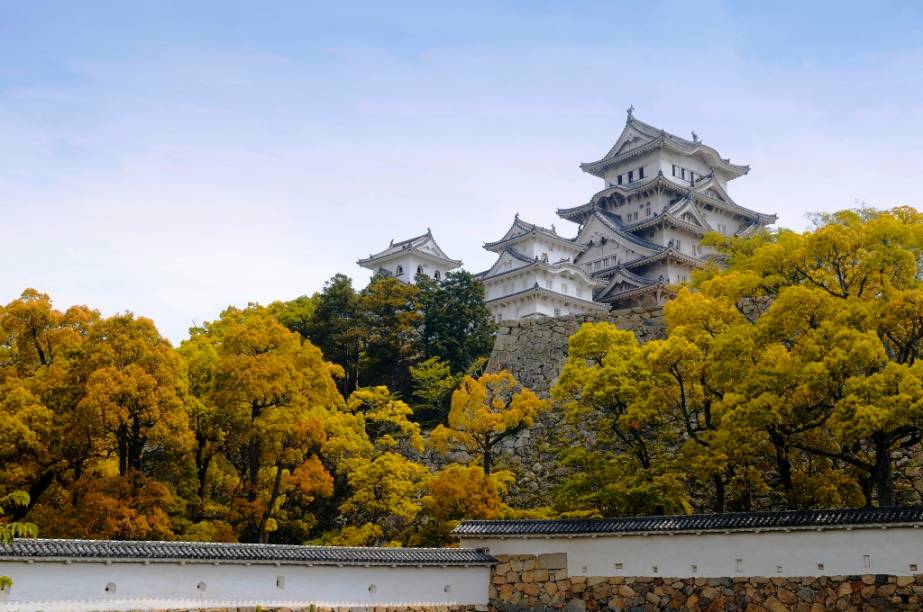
[{"x": 741, "y": 521}]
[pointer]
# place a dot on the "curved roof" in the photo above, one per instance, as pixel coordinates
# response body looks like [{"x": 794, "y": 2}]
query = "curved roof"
[
  {"x": 730, "y": 521},
  {"x": 423, "y": 245},
  {"x": 539, "y": 290},
  {"x": 660, "y": 138},
  {"x": 699, "y": 191},
  {"x": 614, "y": 223},
  {"x": 520, "y": 229},
  {"x": 530, "y": 262},
  {"x": 111, "y": 550},
  {"x": 667, "y": 252}
]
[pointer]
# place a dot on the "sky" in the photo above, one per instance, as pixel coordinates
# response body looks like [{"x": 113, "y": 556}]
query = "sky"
[{"x": 174, "y": 158}]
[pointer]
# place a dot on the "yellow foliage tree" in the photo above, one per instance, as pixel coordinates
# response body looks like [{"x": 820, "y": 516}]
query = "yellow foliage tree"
[{"x": 484, "y": 412}]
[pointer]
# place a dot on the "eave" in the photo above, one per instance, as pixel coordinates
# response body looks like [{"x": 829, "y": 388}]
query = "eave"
[
  {"x": 541, "y": 291},
  {"x": 377, "y": 260},
  {"x": 668, "y": 253}
]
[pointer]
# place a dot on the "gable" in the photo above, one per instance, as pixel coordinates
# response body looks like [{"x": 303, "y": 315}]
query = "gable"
[
  {"x": 686, "y": 210},
  {"x": 506, "y": 263},
  {"x": 629, "y": 139},
  {"x": 606, "y": 242}
]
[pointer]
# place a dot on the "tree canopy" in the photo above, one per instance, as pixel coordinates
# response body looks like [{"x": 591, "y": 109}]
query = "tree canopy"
[{"x": 789, "y": 376}]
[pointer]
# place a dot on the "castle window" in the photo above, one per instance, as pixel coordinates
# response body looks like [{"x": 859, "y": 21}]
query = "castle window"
[
  {"x": 620, "y": 179},
  {"x": 419, "y": 269},
  {"x": 647, "y": 207},
  {"x": 631, "y": 176},
  {"x": 557, "y": 312},
  {"x": 641, "y": 172},
  {"x": 674, "y": 169},
  {"x": 437, "y": 275},
  {"x": 400, "y": 270},
  {"x": 683, "y": 170},
  {"x": 564, "y": 288}
]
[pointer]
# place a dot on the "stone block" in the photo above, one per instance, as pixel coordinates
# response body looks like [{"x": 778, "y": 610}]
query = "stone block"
[{"x": 553, "y": 561}]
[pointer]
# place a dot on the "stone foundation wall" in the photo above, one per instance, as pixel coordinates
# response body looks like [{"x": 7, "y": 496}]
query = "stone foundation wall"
[
  {"x": 535, "y": 350},
  {"x": 327, "y": 609},
  {"x": 530, "y": 582}
]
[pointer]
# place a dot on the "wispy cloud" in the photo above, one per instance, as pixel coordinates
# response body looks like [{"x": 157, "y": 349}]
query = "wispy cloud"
[{"x": 184, "y": 175}]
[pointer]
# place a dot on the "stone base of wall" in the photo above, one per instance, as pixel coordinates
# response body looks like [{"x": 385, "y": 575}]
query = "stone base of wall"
[
  {"x": 519, "y": 582},
  {"x": 360, "y": 609}
]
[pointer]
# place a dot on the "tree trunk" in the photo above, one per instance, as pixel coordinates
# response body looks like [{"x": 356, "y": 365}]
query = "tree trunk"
[
  {"x": 122, "y": 437},
  {"x": 719, "y": 492},
  {"x": 488, "y": 455},
  {"x": 883, "y": 476},
  {"x": 276, "y": 487},
  {"x": 784, "y": 467}
]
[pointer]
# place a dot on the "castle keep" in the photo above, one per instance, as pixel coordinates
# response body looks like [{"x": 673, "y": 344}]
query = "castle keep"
[{"x": 636, "y": 238}]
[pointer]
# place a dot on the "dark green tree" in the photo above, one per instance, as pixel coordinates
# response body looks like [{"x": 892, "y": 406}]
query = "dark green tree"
[
  {"x": 457, "y": 326},
  {"x": 335, "y": 330},
  {"x": 390, "y": 319}
]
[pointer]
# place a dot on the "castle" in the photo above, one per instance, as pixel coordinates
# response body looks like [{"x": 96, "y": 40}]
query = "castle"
[{"x": 636, "y": 239}]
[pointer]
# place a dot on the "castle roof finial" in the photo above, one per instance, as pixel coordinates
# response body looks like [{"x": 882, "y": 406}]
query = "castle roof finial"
[
  {"x": 695, "y": 137},
  {"x": 630, "y": 111}
]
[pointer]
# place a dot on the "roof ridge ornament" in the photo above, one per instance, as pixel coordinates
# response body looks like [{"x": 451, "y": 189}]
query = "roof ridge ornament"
[
  {"x": 630, "y": 111},
  {"x": 695, "y": 137}
]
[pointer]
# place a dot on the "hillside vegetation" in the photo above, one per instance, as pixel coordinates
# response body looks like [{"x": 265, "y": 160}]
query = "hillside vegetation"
[{"x": 789, "y": 378}]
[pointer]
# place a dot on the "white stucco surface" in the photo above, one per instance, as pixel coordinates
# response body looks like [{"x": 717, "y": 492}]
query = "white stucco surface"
[
  {"x": 769, "y": 553},
  {"x": 58, "y": 586}
]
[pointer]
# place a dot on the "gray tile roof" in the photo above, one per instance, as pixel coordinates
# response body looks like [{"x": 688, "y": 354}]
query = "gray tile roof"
[
  {"x": 741, "y": 521},
  {"x": 103, "y": 550}
]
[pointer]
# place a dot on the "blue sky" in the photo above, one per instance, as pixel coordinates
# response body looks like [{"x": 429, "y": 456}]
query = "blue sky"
[{"x": 171, "y": 158}]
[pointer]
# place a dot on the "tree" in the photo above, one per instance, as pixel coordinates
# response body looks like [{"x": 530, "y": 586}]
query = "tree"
[
  {"x": 15, "y": 529},
  {"x": 334, "y": 328},
  {"x": 433, "y": 383},
  {"x": 833, "y": 341},
  {"x": 133, "y": 388},
  {"x": 271, "y": 392},
  {"x": 390, "y": 318},
  {"x": 607, "y": 384},
  {"x": 386, "y": 492},
  {"x": 296, "y": 315},
  {"x": 456, "y": 493},
  {"x": 485, "y": 412},
  {"x": 457, "y": 327}
]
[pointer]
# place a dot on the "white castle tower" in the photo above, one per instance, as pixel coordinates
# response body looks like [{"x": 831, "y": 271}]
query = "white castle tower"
[
  {"x": 637, "y": 239},
  {"x": 405, "y": 259},
  {"x": 535, "y": 275}
]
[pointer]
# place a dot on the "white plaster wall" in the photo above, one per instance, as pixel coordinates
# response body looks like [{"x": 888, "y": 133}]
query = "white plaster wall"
[
  {"x": 409, "y": 262},
  {"x": 717, "y": 218},
  {"x": 649, "y": 161},
  {"x": 535, "y": 247},
  {"x": 798, "y": 553},
  {"x": 683, "y": 161},
  {"x": 81, "y": 586}
]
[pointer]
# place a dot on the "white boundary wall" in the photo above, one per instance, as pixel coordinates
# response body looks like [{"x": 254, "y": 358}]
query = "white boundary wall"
[
  {"x": 896, "y": 551},
  {"x": 82, "y": 585}
]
